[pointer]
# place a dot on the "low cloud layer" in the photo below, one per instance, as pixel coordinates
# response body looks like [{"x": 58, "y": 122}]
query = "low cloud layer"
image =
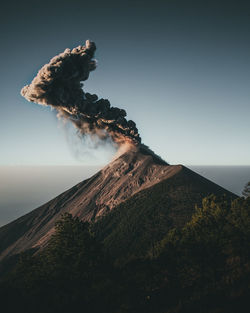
[{"x": 59, "y": 85}]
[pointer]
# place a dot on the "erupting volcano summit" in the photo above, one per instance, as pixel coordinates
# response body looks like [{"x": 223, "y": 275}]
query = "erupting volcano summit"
[{"x": 138, "y": 175}]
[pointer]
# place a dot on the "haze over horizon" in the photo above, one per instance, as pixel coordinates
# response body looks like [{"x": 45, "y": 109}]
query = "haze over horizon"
[{"x": 180, "y": 69}]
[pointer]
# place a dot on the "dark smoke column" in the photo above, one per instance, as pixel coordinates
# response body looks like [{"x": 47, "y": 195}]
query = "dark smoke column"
[{"x": 59, "y": 84}]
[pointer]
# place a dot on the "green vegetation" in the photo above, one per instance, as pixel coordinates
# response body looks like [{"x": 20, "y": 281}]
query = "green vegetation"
[{"x": 202, "y": 266}]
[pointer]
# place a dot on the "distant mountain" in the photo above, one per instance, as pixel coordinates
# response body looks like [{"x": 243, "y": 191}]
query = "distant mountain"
[{"x": 137, "y": 183}]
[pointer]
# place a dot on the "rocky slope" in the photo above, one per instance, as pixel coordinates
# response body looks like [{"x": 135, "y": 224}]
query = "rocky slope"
[{"x": 136, "y": 170}]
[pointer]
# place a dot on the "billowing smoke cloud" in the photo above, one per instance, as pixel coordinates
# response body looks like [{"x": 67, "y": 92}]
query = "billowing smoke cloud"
[{"x": 59, "y": 85}]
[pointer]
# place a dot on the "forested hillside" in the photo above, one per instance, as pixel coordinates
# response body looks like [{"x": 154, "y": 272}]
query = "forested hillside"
[{"x": 201, "y": 266}]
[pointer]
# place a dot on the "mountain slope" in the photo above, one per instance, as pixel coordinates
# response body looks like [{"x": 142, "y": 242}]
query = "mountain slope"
[
  {"x": 133, "y": 171},
  {"x": 136, "y": 170},
  {"x": 137, "y": 224}
]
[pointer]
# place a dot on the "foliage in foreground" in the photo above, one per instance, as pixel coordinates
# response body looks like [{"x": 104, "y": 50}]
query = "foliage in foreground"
[{"x": 202, "y": 267}]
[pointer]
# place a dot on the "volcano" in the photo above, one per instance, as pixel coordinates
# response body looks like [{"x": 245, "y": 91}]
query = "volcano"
[{"x": 135, "y": 173}]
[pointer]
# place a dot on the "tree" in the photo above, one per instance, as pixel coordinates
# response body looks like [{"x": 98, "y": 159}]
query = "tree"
[
  {"x": 66, "y": 275},
  {"x": 211, "y": 257},
  {"x": 72, "y": 243},
  {"x": 72, "y": 263},
  {"x": 246, "y": 190}
]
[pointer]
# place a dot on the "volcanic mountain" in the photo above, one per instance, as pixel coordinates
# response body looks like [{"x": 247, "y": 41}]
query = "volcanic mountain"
[{"x": 137, "y": 177}]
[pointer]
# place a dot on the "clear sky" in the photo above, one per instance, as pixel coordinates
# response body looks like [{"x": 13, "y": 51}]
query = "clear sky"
[{"x": 181, "y": 70}]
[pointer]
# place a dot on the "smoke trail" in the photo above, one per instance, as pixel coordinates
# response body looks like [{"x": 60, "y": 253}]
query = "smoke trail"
[{"x": 59, "y": 84}]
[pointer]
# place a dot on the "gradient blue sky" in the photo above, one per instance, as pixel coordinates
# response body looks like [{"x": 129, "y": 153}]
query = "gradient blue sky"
[{"x": 181, "y": 70}]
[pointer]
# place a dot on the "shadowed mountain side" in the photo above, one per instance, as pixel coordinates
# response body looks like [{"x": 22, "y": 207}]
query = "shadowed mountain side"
[{"x": 137, "y": 224}]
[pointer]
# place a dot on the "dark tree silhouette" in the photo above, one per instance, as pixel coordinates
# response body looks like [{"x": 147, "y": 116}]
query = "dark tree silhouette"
[{"x": 246, "y": 190}]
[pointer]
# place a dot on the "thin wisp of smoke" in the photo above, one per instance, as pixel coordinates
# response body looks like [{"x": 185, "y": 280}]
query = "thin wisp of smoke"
[{"x": 59, "y": 84}]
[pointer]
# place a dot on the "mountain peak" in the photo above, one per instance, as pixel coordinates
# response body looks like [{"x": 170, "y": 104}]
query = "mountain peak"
[
  {"x": 136, "y": 169},
  {"x": 137, "y": 153},
  {"x": 135, "y": 161}
]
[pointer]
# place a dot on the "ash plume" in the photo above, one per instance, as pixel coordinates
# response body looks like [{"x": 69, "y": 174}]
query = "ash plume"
[{"x": 59, "y": 84}]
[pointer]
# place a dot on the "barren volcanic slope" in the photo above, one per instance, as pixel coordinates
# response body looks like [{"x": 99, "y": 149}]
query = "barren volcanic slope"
[{"x": 136, "y": 170}]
